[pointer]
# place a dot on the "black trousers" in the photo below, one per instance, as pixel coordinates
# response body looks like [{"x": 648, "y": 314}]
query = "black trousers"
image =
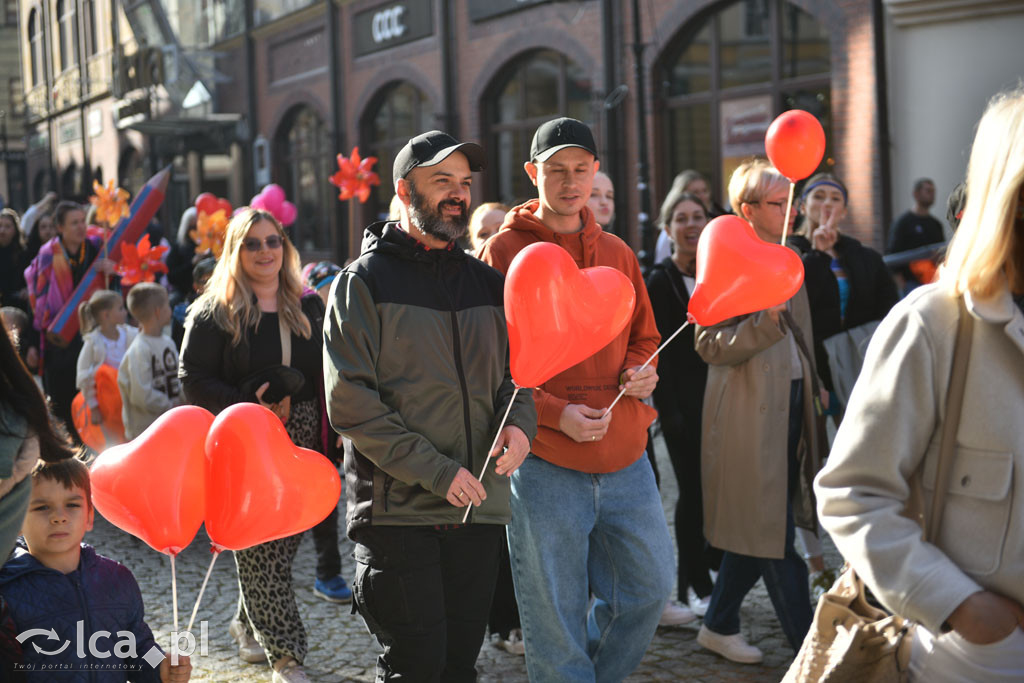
[
  {"x": 60, "y": 366},
  {"x": 504, "y": 614},
  {"x": 425, "y": 593},
  {"x": 696, "y": 557}
]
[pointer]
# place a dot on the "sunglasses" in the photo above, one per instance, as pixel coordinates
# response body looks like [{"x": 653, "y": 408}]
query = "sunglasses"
[{"x": 254, "y": 243}]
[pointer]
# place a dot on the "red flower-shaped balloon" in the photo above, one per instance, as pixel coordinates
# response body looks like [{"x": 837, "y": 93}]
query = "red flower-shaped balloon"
[
  {"x": 140, "y": 263},
  {"x": 355, "y": 176}
]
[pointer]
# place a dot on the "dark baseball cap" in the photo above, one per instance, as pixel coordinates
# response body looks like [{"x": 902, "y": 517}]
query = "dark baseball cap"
[
  {"x": 433, "y": 147},
  {"x": 558, "y": 134}
]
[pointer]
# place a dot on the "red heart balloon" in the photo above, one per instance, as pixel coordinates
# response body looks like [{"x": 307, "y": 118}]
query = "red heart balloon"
[
  {"x": 559, "y": 315},
  {"x": 206, "y": 203},
  {"x": 795, "y": 143},
  {"x": 153, "y": 487},
  {"x": 260, "y": 486},
  {"x": 739, "y": 273},
  {"x": 225, "y": 206}
]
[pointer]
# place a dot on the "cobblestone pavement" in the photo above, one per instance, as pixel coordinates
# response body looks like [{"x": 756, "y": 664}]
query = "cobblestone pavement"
[{"x": 340, "y": 648}]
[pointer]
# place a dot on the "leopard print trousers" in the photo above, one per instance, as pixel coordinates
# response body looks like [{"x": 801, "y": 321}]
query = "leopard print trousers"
[{"x": 266, "y": 604}]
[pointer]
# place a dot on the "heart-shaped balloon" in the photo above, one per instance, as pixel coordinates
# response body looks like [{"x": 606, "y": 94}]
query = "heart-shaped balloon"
[
  {"x": 559, "y": 315},
  {"x": 260, "y": 486},
  {"x": 288, "y": 213},
  {"x": 739, "y": 273},
  {"x": 206, "y": 203},
  {"x": 153, "y": 487},
  {"x": 795, "y": 143}
]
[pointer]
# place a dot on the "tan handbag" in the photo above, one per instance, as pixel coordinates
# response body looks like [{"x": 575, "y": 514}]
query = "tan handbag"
[{"x": 850, "y": 639}]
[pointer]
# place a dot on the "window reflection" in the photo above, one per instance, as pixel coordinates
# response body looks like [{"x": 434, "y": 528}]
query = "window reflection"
[
  {"x": 302, "y": 154},
  {"x": 402, "y": 112}
]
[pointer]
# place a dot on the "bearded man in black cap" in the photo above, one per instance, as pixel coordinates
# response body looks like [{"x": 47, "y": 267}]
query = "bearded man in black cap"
[{"x": 417, "y": 377}]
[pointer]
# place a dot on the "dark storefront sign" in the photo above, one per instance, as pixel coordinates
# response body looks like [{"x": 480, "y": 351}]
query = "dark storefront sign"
[
  {"x": 392, "y": 24},
  {"x": 480, "y": 10}
]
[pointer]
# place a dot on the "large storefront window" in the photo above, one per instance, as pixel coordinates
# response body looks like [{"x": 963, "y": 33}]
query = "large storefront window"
[
  {"x": 266, "y": 11},
  {"x": 400, "y": 112},
  {"x": 534, "y": 88},
  {"x": 729, "y": 74},
  {"x": 302, "y": 155}
]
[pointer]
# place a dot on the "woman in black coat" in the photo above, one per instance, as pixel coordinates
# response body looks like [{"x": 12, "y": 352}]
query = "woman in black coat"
[
  {"x": 679, "y": 396},
  {"x": 848, "y": 284}
]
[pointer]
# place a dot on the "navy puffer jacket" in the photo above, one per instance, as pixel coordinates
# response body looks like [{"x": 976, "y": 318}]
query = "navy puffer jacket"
[{"x": 103, "y": 595}]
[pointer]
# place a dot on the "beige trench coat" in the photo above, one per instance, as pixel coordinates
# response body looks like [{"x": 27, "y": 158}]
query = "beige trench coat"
[{"x": 746, "y": 430}]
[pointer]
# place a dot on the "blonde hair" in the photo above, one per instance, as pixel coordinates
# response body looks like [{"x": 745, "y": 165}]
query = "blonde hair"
[
  {"x": 752, "y": 181},
  {"x": 228, "y": 297},
  {"x": 144, "y": 298},
  {"x": 684, "y": 178},
  {"x": 988, "y": 247},
  {"x": 88, "y": 311}
]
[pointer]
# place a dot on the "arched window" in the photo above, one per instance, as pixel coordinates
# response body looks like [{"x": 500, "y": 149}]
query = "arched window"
[
  {"x": 302, "y": 157},
  {"x": 730, "y": 72},
  {"x": 399, "y": 112},
  {"x": 35, "y": 41},
  {"x": 68, "y": 33},
  {"x": 534, "y": 88}
]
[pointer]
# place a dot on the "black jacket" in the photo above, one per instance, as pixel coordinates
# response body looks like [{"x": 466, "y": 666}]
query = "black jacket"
[
  {"x": 872, "y": 293},
  {"x": 212, "y": 369},
  {"x": 417, "y": 376}
]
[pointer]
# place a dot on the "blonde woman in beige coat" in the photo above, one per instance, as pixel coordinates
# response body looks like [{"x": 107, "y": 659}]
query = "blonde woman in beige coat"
[
  {"x": 967, "y": 589},
  {"x": 756, "y": 467}
]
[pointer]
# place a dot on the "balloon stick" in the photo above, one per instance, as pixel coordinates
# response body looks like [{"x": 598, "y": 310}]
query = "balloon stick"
[
  {"x": 174, "y": 599},
  {"x": 789, "y": 208},
  {"x": 646, "y": 363},
  {"x": 202, "y": 589},
  {"x": 490, "y": 450}
]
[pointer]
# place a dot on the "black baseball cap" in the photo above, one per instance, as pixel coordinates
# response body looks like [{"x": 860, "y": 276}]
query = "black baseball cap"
[
  {"x": 558, "y": 134},
  {"x": 433, "y": 147}
]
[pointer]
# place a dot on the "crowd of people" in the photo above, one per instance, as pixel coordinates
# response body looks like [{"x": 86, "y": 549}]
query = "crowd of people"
[{"x": 396, "y": 367}]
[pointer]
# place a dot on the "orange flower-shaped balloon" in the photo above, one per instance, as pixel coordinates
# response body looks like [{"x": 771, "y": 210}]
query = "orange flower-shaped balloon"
[
  {"x": 210, "y": 231},
  {"x": 355, "y": 176},
  {"x": 140, "y": 263},
  {"x": 111, "y": 203}
]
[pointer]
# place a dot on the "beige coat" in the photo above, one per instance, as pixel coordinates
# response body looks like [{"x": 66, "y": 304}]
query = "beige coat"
[
  {"x": 746, "y": 432},
  {"x": 888, "y": 445}
]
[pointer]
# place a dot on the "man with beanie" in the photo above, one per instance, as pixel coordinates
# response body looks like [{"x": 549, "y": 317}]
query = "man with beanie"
[
  {"x": 586, "y": 514},
  {"x": 417, "y": 377}
]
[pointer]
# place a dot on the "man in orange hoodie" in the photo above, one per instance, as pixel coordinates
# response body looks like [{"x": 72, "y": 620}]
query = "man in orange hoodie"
[{"x": 586, "y": 514}]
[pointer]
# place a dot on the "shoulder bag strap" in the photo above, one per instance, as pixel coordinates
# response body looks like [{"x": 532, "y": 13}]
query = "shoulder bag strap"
[
  {"x": 954, "y": 403},
  {"x": 286, "y": 340}
]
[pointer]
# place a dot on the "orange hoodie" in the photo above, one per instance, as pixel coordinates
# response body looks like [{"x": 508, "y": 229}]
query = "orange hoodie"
[{"x": 595, "y": 381}]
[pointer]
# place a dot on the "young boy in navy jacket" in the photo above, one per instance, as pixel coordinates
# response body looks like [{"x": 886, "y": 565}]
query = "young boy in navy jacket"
[{"x": 86, "y": 610}]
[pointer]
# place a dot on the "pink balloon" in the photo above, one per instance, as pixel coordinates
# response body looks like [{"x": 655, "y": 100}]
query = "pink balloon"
[
  {"x": 287, "y": 213},
  {"x": 273, "y": 195}
]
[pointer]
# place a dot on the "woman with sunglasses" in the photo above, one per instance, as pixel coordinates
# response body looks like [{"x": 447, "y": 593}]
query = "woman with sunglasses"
[
  {"x": 759, "y": 449},
  {"x": 254, "y": 301}
]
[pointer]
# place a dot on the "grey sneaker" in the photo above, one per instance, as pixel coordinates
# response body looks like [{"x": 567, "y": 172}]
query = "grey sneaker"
[
  {"x": 291, "y": 673},
  {"x": 248, "y": 649}
]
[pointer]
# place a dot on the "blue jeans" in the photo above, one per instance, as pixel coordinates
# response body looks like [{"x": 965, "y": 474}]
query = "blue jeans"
[
  {"x": 573, "y": 533},
  {"x": 785, "y": 579}
]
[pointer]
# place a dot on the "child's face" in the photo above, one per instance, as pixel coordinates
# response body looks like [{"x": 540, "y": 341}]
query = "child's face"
[
  {"x": 56, "y": 522},
  {"x": 115, "y": 315}
]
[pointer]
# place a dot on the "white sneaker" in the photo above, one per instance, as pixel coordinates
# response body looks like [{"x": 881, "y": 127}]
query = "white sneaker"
[
  {"x": 291, "y": 673},
  {"x": 248, "y": 649},
  {"x": 733, "y": 648},
  {"x": 513, "y": 644},
  {"x": 697, "y": 604},
  {"x": 675, "y": 614}
]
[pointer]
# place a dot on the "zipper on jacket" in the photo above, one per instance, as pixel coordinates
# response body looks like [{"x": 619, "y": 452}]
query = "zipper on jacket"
[
  {"x": 86, "y": 624},
  {"x": 457, "y": 352}
]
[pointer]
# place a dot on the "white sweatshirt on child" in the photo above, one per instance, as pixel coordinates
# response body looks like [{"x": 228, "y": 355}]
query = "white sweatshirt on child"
[
  {"x": 148, "y": 379},
  {"x": 96, "y": 351}
]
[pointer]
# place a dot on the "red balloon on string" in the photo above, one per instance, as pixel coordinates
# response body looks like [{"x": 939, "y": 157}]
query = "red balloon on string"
[
  {"x": 739, "y": 273},
  {"x": 260, "y": 486},
  {"x": 206, "y": 203},
  {"x": 153, "y": 487},
  {"x": 795, "y": 143},
  {"x": 559, "y": 315}
]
